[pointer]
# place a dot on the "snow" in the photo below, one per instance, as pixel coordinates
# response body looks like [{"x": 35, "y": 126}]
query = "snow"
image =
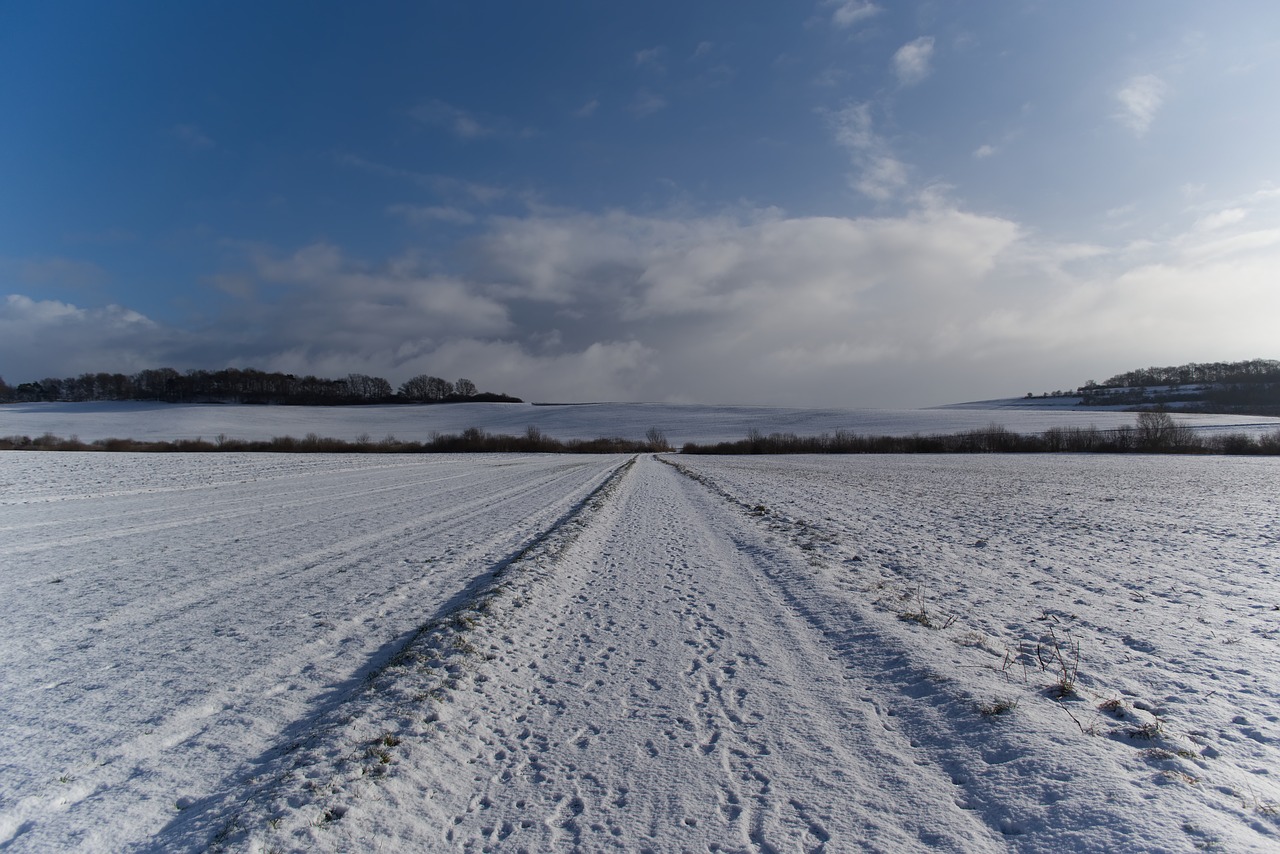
[
  {"x": 681, "y": 423},
  {"x": 1055, "y": 402},
  {"x": 1162, "y": 573},
  {"x": 170, "y": 618},
  {"x": 328, "y": 653},
  {"x": 1067, "y": 402}
]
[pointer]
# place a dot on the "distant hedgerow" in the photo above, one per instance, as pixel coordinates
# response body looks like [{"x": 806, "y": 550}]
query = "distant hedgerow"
[
  {"x": 1156, "y": 433},
  {"x": 471, "y": 440},
  {"x": 1151, "y": 436}
]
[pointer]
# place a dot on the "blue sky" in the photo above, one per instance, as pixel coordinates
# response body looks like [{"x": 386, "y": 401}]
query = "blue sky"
[{"x": 833, "y": 202}]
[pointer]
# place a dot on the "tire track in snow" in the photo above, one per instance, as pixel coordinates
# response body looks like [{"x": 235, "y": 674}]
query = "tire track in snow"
[
  {"x": 337, "y": 753},
  {"x": 157, "y": 666},
  {"x": 1038, "y": 784},
  {"x": 652, "y": 691}
]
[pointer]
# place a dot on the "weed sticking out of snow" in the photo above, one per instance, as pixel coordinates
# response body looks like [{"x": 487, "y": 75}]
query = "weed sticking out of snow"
[
  {"x": 1060, "y": 658},
  {"x": 998, "y": 706},
  {"x": 922, "y": 616}
]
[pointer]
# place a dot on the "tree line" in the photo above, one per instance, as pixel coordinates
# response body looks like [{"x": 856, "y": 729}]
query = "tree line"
[
  {"x": 246, "y": 385},
  {"x": 473, "y": 440},
  {"x": 1196, "y": 373},
  {"x": 1153, "y": 433},
  {"x": 1248, "y": 387}
]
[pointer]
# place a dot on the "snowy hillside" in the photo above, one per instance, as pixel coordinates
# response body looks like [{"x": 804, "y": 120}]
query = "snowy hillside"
[{"x": 681, "y": 423}]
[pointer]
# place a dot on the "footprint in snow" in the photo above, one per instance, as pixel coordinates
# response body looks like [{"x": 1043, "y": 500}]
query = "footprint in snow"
[{"x": 1139, "y": 645}]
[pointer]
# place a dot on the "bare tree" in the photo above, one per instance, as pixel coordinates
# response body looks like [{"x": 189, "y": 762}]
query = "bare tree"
[
  {"x": 438, "y": 389},
  {"x": 415, "y": 388},
  {"x": 656, "y": 440},
  {"x": 464, "y": 388},
  {"x": 365, "y": 387},
  {"x": 426, "y": 387},
  {"x": 1158, "y": 431}
]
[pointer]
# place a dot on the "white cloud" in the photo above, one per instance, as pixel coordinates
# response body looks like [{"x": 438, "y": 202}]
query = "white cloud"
[
  {"x": 333, "y": 299},
  {"x": 761, "y": 307},
  {"x": 879, "y": 174},
  {"x": 651, "y": 57},
  {"x": 932, "y": 305},
  {"x": 984, "y": 151},
  {"x": 850, "y": 12},
  {"x": 596, "y": 371},
  {"x": 734, "y": 305},
  {"x": 853, "y": 127},
  {"x": 1140, "y": 99},
  {"x": 658, "y": 267},
  {"x": 1221, "y": 219},
  {"x": 647, "y": 103},
  {"x": 911, "y": 61},
  {"x": 42, "y": 338},
  {"x": 587, "y": 109},
  {"x": 1196, "y": 248},
  {"x": 882, "y": 177}
]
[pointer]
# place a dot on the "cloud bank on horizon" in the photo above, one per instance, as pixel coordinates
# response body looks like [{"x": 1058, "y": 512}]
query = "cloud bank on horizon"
[{"x": 841, "y": 203}]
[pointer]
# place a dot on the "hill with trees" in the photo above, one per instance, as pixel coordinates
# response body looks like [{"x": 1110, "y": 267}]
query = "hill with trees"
[
  {"x": 1249, "y": 387},
  {"x": 247, "y": 385}
]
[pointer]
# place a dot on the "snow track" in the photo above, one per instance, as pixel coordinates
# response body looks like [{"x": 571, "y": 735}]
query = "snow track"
[{"x": 652, "y": 689}]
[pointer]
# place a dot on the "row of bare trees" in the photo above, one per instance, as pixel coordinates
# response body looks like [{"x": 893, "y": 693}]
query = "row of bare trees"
[
  {"x": 1153, "y": 433},
  {"x": 1249, "y": 371},
  {"x": 428, "y": 388},
  {"x": 243, "y": 385}
]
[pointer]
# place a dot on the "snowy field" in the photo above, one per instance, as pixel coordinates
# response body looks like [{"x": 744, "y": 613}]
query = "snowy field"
[
  {"x": 327, "y": 653},
  {"x": 681, "y": 423},
  {"x": 169, "y": 620}
]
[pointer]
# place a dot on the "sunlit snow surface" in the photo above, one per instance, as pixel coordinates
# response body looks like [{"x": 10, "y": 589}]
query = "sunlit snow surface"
[
  {"x": 793, "y": 653},
  {"x": 681, "y": 423},
  {"x": 167, "y": 619},
  {"x": 1164, "y": 572}
]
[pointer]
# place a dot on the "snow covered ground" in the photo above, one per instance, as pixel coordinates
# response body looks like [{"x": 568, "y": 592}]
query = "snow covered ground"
[
  {"x": 1057, "y": 402},
  {"x": 980, "y": 653},
  {"x": 170, "y": 619},
  {"x": 681, "y": 423}
]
